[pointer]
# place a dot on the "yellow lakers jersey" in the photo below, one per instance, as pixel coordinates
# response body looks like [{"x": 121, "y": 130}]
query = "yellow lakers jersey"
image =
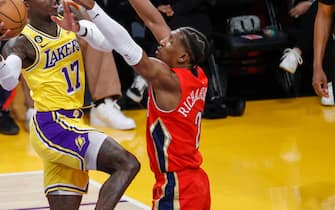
[{"x": 56, "y": 78}]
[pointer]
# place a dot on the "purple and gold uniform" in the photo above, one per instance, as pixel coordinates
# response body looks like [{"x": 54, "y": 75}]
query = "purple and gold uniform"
[
  {"x": 173, "y": 143},
  {"x": 66, "y": 144}
]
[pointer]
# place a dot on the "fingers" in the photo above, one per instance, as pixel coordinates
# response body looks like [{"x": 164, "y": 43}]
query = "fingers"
[
  {"x": 324, "y": 89},
  {"x": 56, "y": 20},
  {"x": 295, "y": 12},
  {"x": 317, "y": 88},
  {"x": 166, "y": 9},
  {"x": 3, "y": 31},
  {"x": 66, "y": 7},
  {"x": 68, "y": 22},
  {"x": 321, "y": 88},
  {"x": 75, "y": 23},
  {"x": 4, "y": 35}
]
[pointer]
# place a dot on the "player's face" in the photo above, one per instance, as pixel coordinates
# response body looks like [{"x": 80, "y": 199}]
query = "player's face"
[
  {"x": 171, "y": 50},
  {"x": 42, "y": 8}
]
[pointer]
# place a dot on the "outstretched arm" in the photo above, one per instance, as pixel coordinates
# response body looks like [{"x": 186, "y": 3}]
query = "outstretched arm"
[
  {"x": 151, "y": 18},
  {"x": 322, "y": 30},
  {"x": 162, "y": 79},
  {"x": 155, "y": 71}
]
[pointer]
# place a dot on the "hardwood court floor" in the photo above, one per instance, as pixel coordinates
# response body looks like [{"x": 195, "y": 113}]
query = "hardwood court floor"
[
  {"x": 279, "y": 155},
  {"x": 26, "y": 194}
]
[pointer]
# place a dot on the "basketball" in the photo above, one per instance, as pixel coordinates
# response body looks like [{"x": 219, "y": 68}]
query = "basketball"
[{"x": 14, "y": 15}]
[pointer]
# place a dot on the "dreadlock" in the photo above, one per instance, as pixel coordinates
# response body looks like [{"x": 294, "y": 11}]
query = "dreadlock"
[{"x": 196, "y": 45}]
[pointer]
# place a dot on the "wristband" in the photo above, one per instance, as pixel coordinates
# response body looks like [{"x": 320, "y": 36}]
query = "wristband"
[{"x": 82, "y": 31}]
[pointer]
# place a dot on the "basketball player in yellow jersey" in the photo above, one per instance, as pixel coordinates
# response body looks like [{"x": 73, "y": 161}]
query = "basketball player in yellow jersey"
[{"x": 50, "y": 60}]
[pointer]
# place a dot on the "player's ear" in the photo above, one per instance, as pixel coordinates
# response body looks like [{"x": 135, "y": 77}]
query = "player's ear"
[{"x": 184, "y": 58}]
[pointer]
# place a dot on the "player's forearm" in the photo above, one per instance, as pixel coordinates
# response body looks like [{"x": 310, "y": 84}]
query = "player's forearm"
[
  {"x": 90, "y": 33},
  {"x": 151, "y": 18},
  {"x": 10, "y": 70},
  {"x": 117, "y": 36},
  {"x": 322, "y": 31}
]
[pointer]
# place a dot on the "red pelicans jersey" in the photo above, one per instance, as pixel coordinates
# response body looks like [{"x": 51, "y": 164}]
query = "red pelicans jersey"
[{"x": 173, "y": 136}]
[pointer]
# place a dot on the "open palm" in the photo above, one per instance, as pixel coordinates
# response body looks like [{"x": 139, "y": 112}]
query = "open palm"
[{"x": 69, "y": 21}]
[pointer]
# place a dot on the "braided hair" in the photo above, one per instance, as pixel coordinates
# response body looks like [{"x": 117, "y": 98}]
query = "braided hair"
[{"x": 196, "y": 44}]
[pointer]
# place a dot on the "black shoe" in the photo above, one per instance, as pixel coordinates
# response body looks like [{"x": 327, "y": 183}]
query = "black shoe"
[
  {"x": 7, "y": 124},
  {"x": 236, "y": 106},
  {"x": 215, "y": 108},
  {"x": 221, "y": 107}
]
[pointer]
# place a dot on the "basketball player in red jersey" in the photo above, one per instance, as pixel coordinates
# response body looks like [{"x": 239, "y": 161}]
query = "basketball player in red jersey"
[{"x": 176, "y": 99}]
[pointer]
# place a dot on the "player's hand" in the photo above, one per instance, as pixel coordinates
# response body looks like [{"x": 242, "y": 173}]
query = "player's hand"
[
  {"x": 4, "y": 32},
  {"x": 320, "y": 83},
  {"x": 166, "y": 9},
  {"x": 300, "y": 9},
  {"x": 69, "y": 21},
  {"x": 87, "y": 4}
]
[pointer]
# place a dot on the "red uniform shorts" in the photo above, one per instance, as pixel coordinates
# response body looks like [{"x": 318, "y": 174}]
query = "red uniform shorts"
[{"x": 185, "y": 190}]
